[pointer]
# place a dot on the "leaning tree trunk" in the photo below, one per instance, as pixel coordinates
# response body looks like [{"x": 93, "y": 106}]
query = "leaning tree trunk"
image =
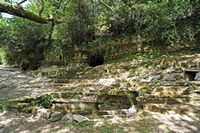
[{"x": 17, "y": 10}]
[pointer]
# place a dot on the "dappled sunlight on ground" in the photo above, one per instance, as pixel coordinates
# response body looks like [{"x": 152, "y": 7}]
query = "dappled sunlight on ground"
[
  {"x": 15, "y": 84},
  {"x": 169, "y": 100},
  {"x": 23, "y": 122},
  {"x": 177, "y": 122}
]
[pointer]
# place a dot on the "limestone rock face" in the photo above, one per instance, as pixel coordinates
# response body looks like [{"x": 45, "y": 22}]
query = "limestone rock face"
[
  {"x": 129, "y": 112},
  {"x": 68, "y": 117},
  {"x": 110, "y": 102},
  {"x": 56, "y": 116},
  {"x": 1, "y": 125},
  {"x": 80, "y": 118},
  {"x": 173, "y": 76},
  {"x": 152, "y": 78},
  {"x": 197, "y": 77},
  {"x": 107, "y": 82},
  {"x": 44, "y": 113}
]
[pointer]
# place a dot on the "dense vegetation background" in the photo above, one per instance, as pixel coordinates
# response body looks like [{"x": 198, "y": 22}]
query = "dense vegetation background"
[{"x": 95, "y": 24}]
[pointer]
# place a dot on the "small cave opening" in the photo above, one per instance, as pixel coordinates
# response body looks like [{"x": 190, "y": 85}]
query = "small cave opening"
[
  {"x": 191, "y": 74},
  {"x": 95, "y": 60},
  {"x": 25, "y": 66}
]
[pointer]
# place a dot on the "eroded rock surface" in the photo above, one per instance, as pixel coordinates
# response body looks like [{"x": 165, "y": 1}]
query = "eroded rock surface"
[
  {"x": 56, "y": 116},
  {"x": 167, "y": 96}
]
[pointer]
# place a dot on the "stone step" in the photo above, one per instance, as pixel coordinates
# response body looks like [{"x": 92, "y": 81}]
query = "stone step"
[
  {"x": 86, "y": 104},
  {"x": 170, "y": 83},
  {"x": 173, "y": 91},
  {"x": 72, "y": 86},
  {"x": 196, "y": 91},
  {"x": 74, "y": 107},
  {"x": 193, "y": 70},
  {"x": 196, "y": 83},
  {"x": 163, "y": 95},
  {"x": 67, "y": 80},
  {"x": 188, "y": 63},
  {"x": 102, "y": 102},
  {"x": 76, "y": 94},
  {"x": 195, "y": 97},
  {"x": 166, "y": 89},
  {"x": 60, "y": 80},
  {"x": 73, "y": 100},
  {"x": 118, "y": 112},
  {"x": 163, "y": 100},
  {"x": 163, "y": 108},
  {"x": 87, "y": 108}
]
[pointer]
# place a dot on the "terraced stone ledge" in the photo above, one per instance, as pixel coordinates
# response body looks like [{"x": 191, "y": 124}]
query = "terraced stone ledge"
[{"x": 62, "y": 102}]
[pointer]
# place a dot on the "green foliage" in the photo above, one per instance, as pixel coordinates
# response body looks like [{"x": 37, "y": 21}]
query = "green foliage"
[
  {"x": 2, "y": 56},
  {"x": 77, "y": 29},
  {"x": 3, "y": 105},
  {"x": 154, "y": 20},
  {"x": 71, "y": 125},
  {"x": 76, "y": 95},
  {"x": 44, "y": 101},
  {"x": 143, "y": 56},
  {"x": 118, "y": 91},
  {"x": 106, "y": 130},
  {"x": 95, "y": 23},
  {"x": 84, "y": 124},
  {"x": 25, "y": 42}
]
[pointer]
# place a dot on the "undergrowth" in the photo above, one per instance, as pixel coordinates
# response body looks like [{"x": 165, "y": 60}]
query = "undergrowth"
[
  {"x": 44, "y": 101},
  {"x": 2, "y": 56},
  {"x": 149, "y": 55},
  {"x": 3, "y": 106},
  {"x": 84, "y": 124}
]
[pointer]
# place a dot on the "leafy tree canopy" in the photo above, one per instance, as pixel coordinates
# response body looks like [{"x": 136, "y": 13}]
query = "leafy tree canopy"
[{"x": 58, "y": 26}]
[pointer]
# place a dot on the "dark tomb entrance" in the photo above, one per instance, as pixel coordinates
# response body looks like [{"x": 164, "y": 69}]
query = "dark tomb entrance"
[
  {"x": 191, "y": 74},
  {"x": 95, "y": 60}
]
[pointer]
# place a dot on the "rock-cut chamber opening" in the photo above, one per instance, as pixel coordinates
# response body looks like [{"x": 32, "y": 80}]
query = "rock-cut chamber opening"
[
  {"x": 95, "y": 60},
  {"x": 191, "y": 74}
]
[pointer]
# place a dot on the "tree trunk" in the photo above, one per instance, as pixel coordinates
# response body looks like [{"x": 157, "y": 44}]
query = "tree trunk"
[{"x": 17, "y": 10}]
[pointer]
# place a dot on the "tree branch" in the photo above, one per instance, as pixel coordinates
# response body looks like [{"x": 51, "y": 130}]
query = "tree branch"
[
  {"x": 106, "y": 5},
  {"x": 21, "y": 2},
  {"x": 42, "y": 8},
  {"x": 51, "y": 32},
  {"x": 17, "y": 10}
]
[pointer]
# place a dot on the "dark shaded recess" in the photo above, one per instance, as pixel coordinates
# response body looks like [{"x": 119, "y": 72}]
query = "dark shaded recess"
[
  {"x": 191, "y": 75},
  {"x": 32, "y": 63},
  {"x": 34, "y": 56},
  {"x": 95, "y": 60},
  {"x": 25, "y": 66},
  {"x": 120, "y": 26},
  {"x": 110, "y": 102}
]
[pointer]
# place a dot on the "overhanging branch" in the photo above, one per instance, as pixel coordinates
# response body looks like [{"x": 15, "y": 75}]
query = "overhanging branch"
[
  {"x": 17, "y": 10},
  {"x": 21, "y": 2}
]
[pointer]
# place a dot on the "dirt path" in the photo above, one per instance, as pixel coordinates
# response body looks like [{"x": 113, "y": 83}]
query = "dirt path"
[{"x": 14, "y": 84}]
